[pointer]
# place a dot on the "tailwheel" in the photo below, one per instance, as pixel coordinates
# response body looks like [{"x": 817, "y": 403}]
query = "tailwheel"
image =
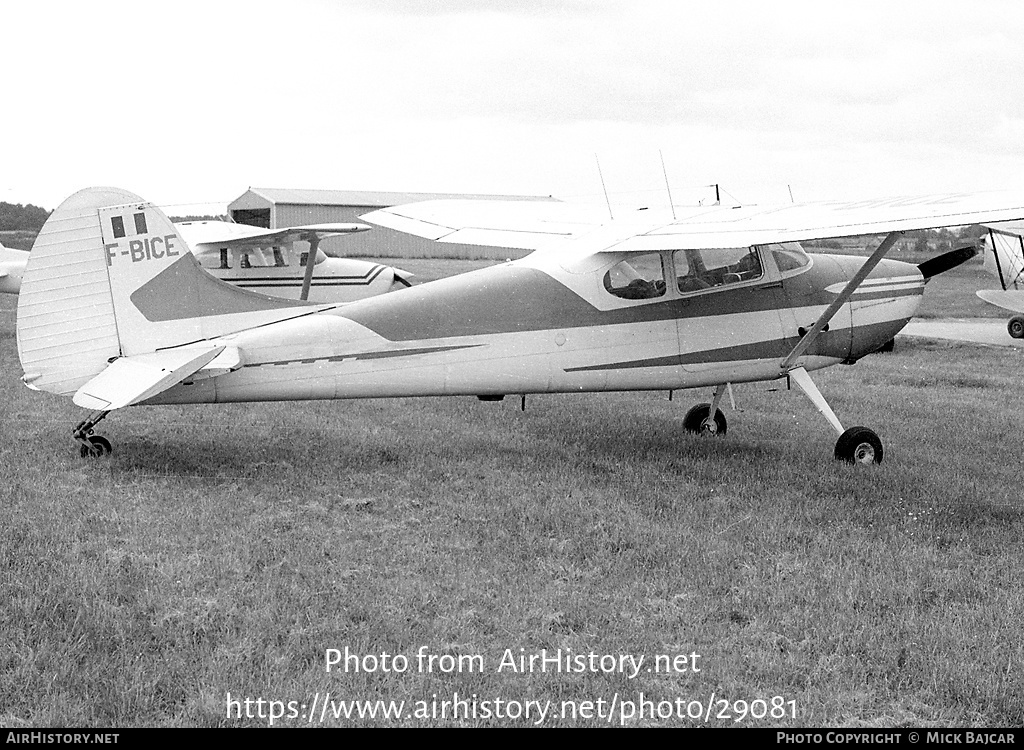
[
  {"x": 1016, "y": 327},
  {"x": 859, "y": 445},
  {"x": 698, "y": 420},
  {"x": 92, "y": 445},
  {"x": 98, "y": 447}
]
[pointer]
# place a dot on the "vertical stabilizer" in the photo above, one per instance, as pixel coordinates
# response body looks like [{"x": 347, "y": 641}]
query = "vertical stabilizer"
[
  {"x": 110, "y": 277},
  {"x": 66, "y": 330}
]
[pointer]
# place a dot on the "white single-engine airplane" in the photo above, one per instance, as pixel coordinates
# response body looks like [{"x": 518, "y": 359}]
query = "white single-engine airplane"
[
  {"x": 264, "y": 260},
  {"x": 1004, "y": 259},
  {"x": 12, "y": 268},
  {"x": 716, "y": 296}
]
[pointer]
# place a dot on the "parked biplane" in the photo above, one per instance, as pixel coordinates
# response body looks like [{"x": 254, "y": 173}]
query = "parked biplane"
[
  {"x": 271, "y": 261},
  {"x": 1004, "y": 259},
  {"x": 711, "y": 297}
]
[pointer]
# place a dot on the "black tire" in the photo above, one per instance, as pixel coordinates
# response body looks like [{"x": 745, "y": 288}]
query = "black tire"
[
  {"x": 1016, "y": 327},
  {"x": 697, "y": 421},
  {"x": 859, "y": 445},
  {"x": 888, "y": 346},
  {"x": 99, "y": 447}
]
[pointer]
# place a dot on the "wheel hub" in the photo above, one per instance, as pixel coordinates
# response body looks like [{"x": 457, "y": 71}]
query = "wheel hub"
[{"x": 864, "y": 453}]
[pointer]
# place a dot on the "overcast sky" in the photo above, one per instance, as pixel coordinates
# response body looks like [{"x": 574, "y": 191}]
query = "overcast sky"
[{"x": 193, "y": 102}]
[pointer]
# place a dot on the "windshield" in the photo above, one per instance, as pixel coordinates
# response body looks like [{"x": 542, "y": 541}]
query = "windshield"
[{"x": 789, "y": 256}]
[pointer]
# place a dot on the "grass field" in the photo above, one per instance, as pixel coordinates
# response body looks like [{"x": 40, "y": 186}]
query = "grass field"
[{"x": 223, "y": 550}]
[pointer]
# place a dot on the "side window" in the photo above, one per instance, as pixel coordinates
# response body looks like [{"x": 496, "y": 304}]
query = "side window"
[
  {"x": 637, "y": 277},
  {"x": 789, "y": 256},
  {"x": 704, "y": 269}
]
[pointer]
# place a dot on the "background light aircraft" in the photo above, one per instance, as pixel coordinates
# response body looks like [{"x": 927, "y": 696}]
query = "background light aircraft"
[
  {"x": 1004, "y": 259},
  {"x": 712, "y": 297},
  {"x": 12, "y": 268},
  {"x": 265, "y": 260}
]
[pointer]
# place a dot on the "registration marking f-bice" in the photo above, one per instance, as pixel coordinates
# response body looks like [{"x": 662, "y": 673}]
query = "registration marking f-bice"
[{"x": 147, "y": 248}]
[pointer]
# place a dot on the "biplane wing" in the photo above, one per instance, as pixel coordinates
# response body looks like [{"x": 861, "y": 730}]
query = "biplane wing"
[
  {"x": 1004, "y": 259},
  {"x": 1011, "y": 300}
]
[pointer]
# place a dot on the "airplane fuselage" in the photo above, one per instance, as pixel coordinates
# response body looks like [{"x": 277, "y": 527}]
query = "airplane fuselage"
[{"x": 536, "y": 326}]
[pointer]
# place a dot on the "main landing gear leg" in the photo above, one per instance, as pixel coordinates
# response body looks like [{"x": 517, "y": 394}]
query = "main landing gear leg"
[
  {"x": 92, "y": 445},
  {"x": 857, "y": 445}
]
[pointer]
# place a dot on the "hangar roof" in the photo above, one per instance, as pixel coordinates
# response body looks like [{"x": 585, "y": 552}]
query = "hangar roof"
[{"x": 365, "y": 197}]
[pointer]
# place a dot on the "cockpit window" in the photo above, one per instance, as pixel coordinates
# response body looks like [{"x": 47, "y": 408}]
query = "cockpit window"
[
  {"x": 637, "y": 277},
  {"x": 703, "y": 269},
  {"x": 789, "y": 256}
]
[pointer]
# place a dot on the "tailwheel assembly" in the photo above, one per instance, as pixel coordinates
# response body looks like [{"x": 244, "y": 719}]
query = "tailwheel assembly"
[
  {"x": 98, "y": 446},
  {"x": 92, "y": 446}
]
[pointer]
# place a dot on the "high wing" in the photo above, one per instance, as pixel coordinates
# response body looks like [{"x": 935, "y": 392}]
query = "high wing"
[
  {"x": 524, "y": 225},
  {"x": 536, "y": 226}
]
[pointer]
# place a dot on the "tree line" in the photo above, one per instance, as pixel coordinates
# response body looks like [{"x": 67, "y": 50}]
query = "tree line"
[{"x": 16, "y": 217}]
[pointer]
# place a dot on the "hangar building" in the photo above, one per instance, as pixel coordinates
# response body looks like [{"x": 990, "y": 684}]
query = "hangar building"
[{"x": 275, "y": 208}]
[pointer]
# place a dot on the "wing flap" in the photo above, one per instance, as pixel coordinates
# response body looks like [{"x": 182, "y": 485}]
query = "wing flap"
[{"x": 129, "y": 380}]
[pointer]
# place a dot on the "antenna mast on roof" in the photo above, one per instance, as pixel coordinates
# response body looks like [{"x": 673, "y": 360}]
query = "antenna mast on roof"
[
  {"x": 667, "y": 188},
  {"x": 605, "y": 189}
]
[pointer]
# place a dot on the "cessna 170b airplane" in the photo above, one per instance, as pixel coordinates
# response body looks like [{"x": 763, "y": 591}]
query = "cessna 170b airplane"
[
  {"x": 114, "y": 311},
  {"x": 265, "y": 260},
  {"x": 1004, "y": 259}
]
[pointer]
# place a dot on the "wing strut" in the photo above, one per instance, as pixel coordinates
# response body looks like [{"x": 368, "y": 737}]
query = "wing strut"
[
  {"x": 803, "y": 380},
  {"x": 307, "y": 279},
  {"x": 842, "y": 299}
]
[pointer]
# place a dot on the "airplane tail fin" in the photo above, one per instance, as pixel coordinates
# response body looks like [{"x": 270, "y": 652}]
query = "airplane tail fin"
[{"x": 109, "y": 277}]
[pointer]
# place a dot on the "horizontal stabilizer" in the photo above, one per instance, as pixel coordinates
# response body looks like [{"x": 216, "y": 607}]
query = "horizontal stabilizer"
[
  {"x": 1010, "y": 300},
  {"x": 129, "y": 380}
]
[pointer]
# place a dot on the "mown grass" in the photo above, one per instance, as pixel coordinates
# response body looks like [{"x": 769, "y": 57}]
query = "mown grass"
[{"x": 224, "y": 549}]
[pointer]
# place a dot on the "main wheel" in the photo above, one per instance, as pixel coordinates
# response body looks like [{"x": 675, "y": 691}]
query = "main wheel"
[
  {"x": 698, "y": 420},
  {"x": 98, "y": 446},
  {"x": 1016, "y": 327},
  {"x": 859, "y": 445}
]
